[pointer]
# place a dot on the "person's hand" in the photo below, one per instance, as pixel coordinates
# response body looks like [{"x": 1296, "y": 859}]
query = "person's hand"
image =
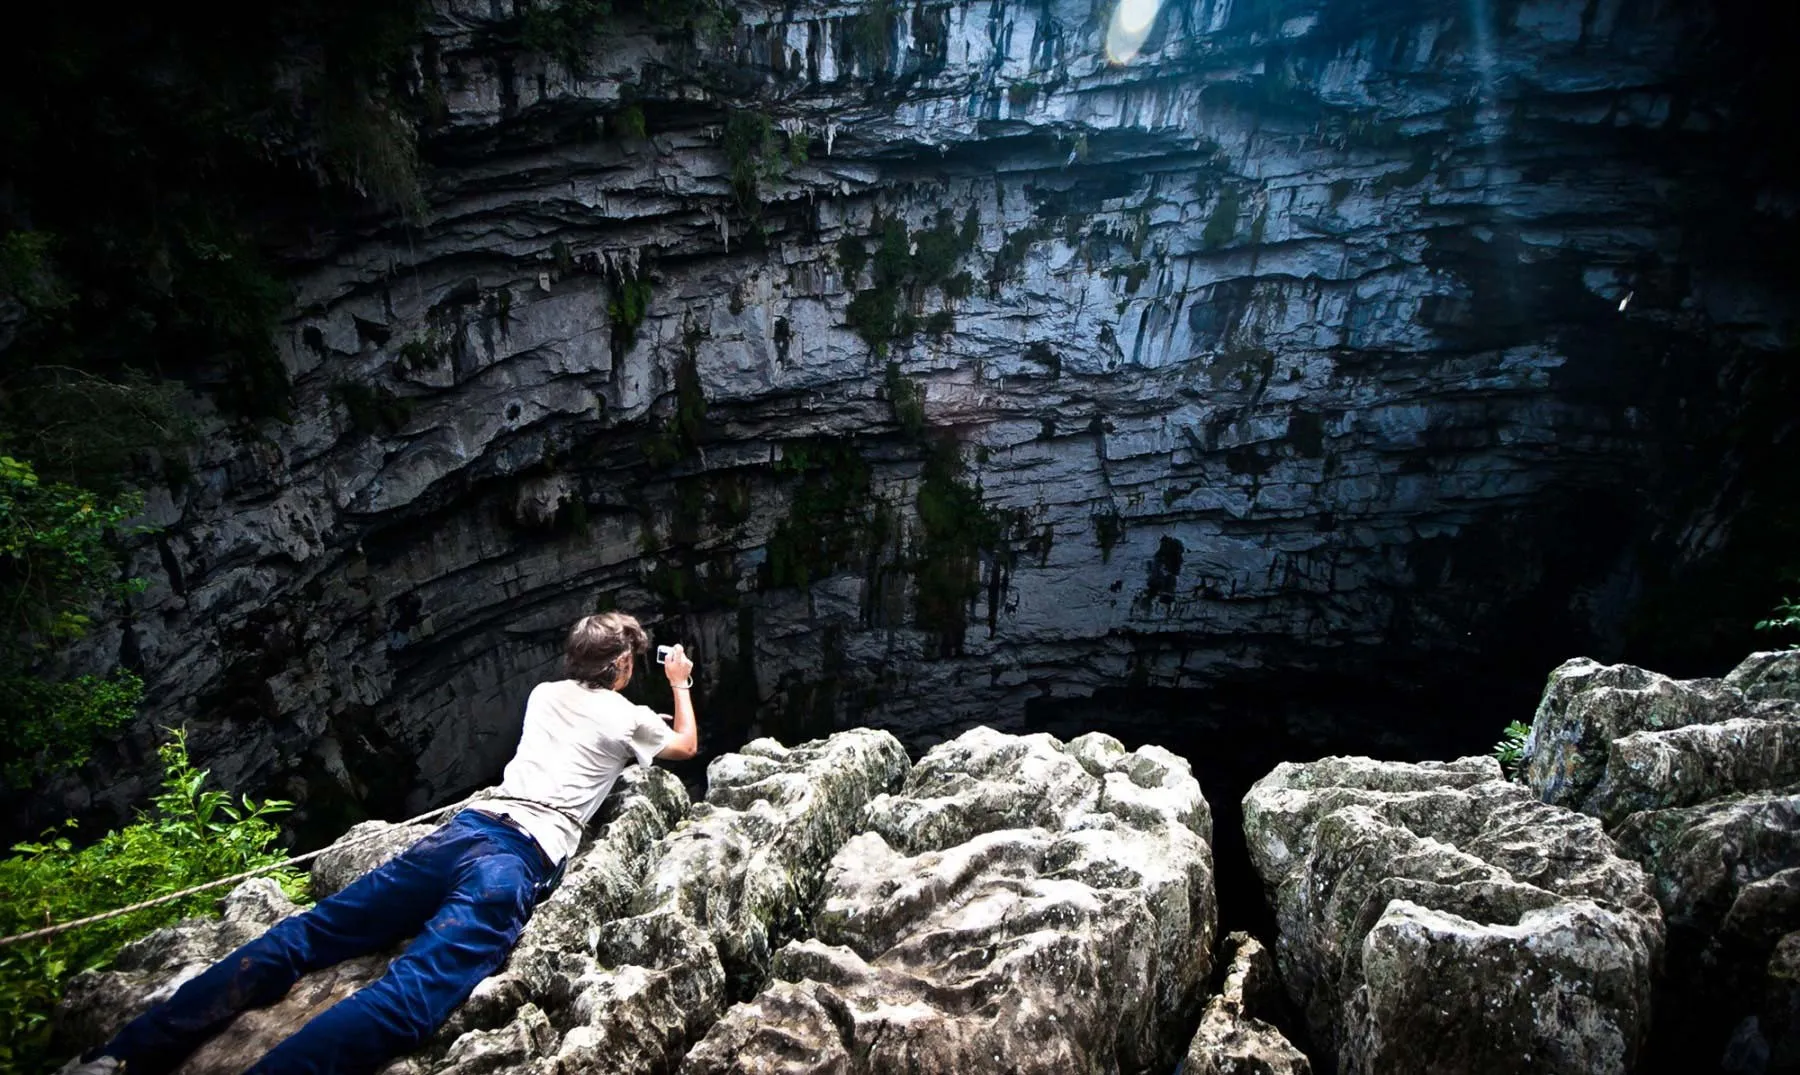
[{"x": 678, "y": 667}]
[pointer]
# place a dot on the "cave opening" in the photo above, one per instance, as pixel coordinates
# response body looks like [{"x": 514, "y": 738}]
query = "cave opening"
[{"x": 1234, "y": 733}]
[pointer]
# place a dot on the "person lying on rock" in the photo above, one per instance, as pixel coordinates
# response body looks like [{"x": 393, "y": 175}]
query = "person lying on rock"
[{"x": 466, "y": 890}]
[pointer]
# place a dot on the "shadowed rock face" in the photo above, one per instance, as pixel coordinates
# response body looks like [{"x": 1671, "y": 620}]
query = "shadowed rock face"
[
  {"x": 1235, "y": 1035},
  {"x": 1297, "y": 338},
  {"x": 1436, "y": 918},
  {"x": 1696, "y": 780}
]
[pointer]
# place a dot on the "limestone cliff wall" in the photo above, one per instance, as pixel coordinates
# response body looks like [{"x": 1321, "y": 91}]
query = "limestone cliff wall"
[{"x": 915, "y": 363}]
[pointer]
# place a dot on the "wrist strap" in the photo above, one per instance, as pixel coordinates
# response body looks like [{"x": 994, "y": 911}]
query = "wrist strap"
[{"x": 688, "y": 686}]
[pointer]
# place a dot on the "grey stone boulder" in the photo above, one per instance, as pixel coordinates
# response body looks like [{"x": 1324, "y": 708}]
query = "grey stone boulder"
[
  {"x": 97, "y": 1004},
  {"x": 1587, "y": 705},
  {"x": 1437, "y": 918},
  {"x": 1699, "y": 781},
  {"x": 1021, "y": 905},
  {"x": 732, "y": 883},
  {"x": 1609, "y": 740},
  {"x": 365, "y": 846},
  {"x": 1235, "y": 1035},
  {"x": 1704, "y": 860},
  {"x": 1769, "y": 676}
]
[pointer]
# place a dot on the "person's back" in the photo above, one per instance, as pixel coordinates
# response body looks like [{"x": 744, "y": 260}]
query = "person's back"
[
  {"x": 576, "y": 741},
  {"x": 466, "y": 890}
]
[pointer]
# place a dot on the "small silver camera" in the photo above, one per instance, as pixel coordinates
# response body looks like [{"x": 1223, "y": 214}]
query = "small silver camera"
[{"x": 662, "y": 654}]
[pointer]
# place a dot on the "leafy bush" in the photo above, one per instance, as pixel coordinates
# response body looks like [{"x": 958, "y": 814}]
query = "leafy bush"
[
  {"x": 192, "y": 836},
  {"x": 57, "y": 724},
  {"x": 54, "y": 555},
  {"x": 1510, "y": 750},
  {"x": 56, "y": 560},
  {"x": 1785, "y": 620}
]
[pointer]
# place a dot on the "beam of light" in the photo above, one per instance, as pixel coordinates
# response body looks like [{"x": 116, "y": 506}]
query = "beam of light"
[
  {"x": 1129, "y": 27},
  {"x": 1135, "y": 16}
]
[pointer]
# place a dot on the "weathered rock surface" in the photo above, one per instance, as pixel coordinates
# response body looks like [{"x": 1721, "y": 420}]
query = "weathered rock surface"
[
  {"x": 1021, "y": 905},
  {"x": 1235, "y": 1035},
  {"x": 1436, "y": 918},
  {"x": 1699, "y": 781},
  {"x": 501, "y": 1018},
  {"x": 734, "y": 881},
  {"x": 1283, "y": 334},
  {"x": 1609, "y": 740}
]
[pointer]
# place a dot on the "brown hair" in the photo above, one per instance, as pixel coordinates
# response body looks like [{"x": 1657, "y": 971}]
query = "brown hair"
[{"x": 598, "y": 643}]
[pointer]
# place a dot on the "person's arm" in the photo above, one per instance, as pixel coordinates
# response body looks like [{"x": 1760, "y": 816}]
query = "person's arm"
[{"x": 680, "y": 671}]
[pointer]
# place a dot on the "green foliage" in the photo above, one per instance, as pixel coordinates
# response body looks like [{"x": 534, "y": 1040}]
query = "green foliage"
[
  {"x": 908, "y": 398},
  {"x": 955, "y": 527},
  {"x": 373, "y": 410},
  {"x": 1010, "y": 258},
  {"x": 373, "y": 147},
  {"x": 1510, "y": 750},
  {"x": 851, "y": 257},
  {"x": 1221, "y": 227},
  {"x": 1109, "y": 527},
  {"x": 1785, "y": 620},
  {"x": 755, "y": 155},
  {"x": 27, "y": 274},
  {"x": 92, "y": 431},
  {"x": 869, "y": 37},
  {"x": 826, "y": 525},
  {"x": 147, "y": 157},
  {"x": 938, "y": 250},
  {"x": 681, "y": 435},
  {"x": 565, "y": 29},
  {"x": 193, "y": 835},
  {"x": 55, "y": 725},
  {"x": 1020, "y": 94},
  {"x": 54, "y": 555},
  {"x": 628, "y": 122},
  {"x": 903, "y": 265},
  {"x": 56, "y": 561},
  {"x": 626, "y": 309},
  {"x": 873, "y": 315}
]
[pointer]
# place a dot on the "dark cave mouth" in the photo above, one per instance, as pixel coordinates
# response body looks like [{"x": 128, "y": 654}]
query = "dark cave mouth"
[{"x": 1234, "y": 733}]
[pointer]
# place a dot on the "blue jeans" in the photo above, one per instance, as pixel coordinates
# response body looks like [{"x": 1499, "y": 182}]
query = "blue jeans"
[{"x": 467, "y": 890}]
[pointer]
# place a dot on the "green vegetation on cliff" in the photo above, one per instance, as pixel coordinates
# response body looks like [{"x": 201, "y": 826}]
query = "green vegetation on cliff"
[{"x": 193, "y": 834}]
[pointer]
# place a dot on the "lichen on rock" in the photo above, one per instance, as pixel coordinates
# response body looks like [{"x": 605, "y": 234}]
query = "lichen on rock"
[
  {"x": 1437, "y": 918},
  {"x": 1699, "y": 781}
]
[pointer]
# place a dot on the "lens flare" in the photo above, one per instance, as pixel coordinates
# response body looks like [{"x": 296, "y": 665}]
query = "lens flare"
[
  {"x": 1129, "y": 27},
  {"x": 1135, "y": 16}
]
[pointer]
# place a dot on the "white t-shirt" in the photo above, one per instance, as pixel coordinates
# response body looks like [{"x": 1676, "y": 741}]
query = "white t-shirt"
[{"x": 576, "y": 742}]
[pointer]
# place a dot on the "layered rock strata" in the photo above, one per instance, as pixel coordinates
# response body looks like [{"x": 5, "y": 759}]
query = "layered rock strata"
[
  {"x": 1021, "y": 905},
  {"x": 1236, "y": 1036},
  {"x": 1436, "y": 918},
  {"x": 1699, "y": 781},
  {"x": 1258, "y": 351}
]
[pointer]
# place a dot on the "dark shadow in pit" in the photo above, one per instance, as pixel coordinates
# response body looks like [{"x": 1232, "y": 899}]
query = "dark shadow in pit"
[{"x": 1234, "y": 734}]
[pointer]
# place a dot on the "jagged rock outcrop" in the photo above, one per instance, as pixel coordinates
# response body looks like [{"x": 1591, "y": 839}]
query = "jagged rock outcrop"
[
  {"x": 1698, "y": 781},
  {"x": 730, "y": 884},
  {"x": 1020, "y": 906},
  {"x": 1259, "y": 351},
  {"x": 1235, "y": 1035},
  {"x": 1436, "y": 918},
  {"x": 500, "y": 1019}
]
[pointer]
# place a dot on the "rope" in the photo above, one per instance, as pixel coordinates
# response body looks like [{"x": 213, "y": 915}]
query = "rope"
[{"x": 64, "y": 927}]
